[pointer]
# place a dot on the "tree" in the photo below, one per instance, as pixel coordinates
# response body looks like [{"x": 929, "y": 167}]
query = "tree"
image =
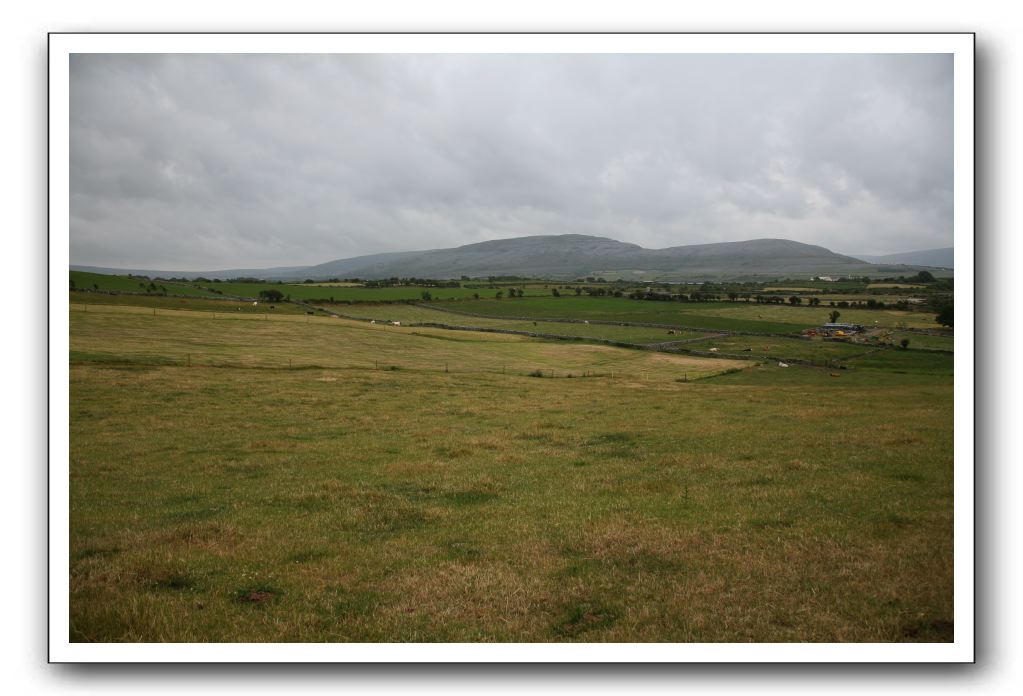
[
  {"x": 834, "y": 315},
  {"x": 945, "y": 316},
  {"x": 426, "y": 295},
  {"x": 795, "y": 300},
  {"x": 498, "y": 294},
  {"x": 904, "y": 343},
  {"x": 554, "y": 291},
  {"x": 271, "y": 295}
]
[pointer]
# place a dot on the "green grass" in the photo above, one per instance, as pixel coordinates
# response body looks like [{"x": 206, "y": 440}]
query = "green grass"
[
  {"x": 924, "y": 341},
  {"x": 417, "y": 314},
  {"x": 304, "y": 292},
  {"x": 115, "y": 283},
  {"x": 296, "y": 291},
  {"x": 239, "y": 500},
  {"x": 726, "y": 316},
  {"x": 817, "y": 350},
  {"x": 79, "y": 300}
]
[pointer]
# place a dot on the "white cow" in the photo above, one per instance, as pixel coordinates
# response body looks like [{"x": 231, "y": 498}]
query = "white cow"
[{"x": 781, "y": 364}]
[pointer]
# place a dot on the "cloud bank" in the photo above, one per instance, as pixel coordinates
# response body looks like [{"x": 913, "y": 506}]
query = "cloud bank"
[{"x": 197, "y": 162}]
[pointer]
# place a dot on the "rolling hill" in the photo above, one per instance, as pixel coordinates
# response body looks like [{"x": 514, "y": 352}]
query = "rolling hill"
[
  {"x": 573, "y": 255},
  {"x": 936, "y": 258}
]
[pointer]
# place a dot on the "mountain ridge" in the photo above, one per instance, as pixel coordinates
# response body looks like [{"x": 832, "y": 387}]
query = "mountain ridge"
[
  {"x": 571, "y": 256},
  {"x": 933, "y": 258}
]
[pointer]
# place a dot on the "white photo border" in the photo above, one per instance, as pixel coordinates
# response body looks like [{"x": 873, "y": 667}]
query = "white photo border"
[{"x": 62, "y": 45}]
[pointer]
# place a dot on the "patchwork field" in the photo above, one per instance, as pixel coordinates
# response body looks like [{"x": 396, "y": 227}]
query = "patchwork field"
[
  {"x": 298, "y": 478},
  {"x": 639, "y": 335},
  {"x": 79, "y": 301},
  {"x": 725, "y": 316}
]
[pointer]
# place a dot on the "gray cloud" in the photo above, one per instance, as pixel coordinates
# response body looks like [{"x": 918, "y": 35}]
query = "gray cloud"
[{"x": 213, "y": 161}]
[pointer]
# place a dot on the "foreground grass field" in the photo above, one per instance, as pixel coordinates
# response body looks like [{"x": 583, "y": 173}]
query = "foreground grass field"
[{"x": 402, "y": 484}]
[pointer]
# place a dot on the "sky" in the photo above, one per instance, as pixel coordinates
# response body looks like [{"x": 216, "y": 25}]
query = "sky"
[{"x": 219, "y": 161}]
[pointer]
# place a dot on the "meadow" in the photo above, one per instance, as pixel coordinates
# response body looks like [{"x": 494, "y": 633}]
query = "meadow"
[
  {"x": 341, "y": 292},
  {"x": 725, "y": 316},
  {"x": 81, "y": 300},
  {"x": 236, "y": 477},
  {"x": 639, "y": 335}
]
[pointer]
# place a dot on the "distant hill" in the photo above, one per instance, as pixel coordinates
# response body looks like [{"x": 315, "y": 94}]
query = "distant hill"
[
  {"x": 575, "y": 255},
  {"x": 571, "y": 256},
  {"x": 935, "y": 258}
]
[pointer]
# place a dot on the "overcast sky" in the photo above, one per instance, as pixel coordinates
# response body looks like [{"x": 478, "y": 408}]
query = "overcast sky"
[{"x": 202, "y": 162}]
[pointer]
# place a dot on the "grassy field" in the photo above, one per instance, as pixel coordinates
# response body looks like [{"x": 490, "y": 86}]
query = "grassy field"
[
  {"x": 81, "y": 280},
  {"x": 727, "y": 316},
  {"x": 341, "y": 292},
  {"x": 925, "y": 341},
  {"x": 312, "y": 291},
  {"x": 79, "y": 300},
  {"x": 404, "y": 484},
  {"x": 410, "y": 313}
]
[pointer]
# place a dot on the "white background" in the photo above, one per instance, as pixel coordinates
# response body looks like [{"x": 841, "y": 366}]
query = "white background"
[{"x": 998, "y": 480}]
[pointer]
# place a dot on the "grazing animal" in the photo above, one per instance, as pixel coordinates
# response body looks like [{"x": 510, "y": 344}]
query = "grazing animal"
[
  {"x": 834, "y": 374},
  {"x": 585, "y": 321},
  {"x": 373, "y": 321},
  {"x": 781, "y": 364},
  {"x": 396, "y": 323},
  {"x": 747, "y": 350},
  {"x": 713, "y": 350}
]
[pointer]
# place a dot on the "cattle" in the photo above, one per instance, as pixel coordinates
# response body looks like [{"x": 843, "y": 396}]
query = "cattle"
[
  {"x": 781, "y": 364},
  {"x": 396, "y": 323},
  {"x": 713, "y": 350}
]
